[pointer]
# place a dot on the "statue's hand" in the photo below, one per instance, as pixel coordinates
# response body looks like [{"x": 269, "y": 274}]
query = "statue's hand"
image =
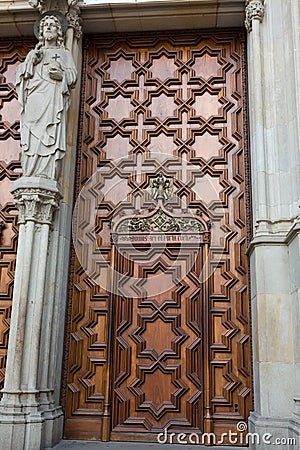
[
  {"x": 37, "y": 55},
  {"x": 37, "y": 58},
  {"x": 56, "y": 73}
]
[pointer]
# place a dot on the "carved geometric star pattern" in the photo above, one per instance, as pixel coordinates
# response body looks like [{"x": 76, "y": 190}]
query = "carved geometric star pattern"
[{"x": 171, "y": 105}]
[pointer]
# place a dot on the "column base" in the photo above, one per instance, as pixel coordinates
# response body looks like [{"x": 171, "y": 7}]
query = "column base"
[
  {"x": 295, "y": 428},
  {"x": 269, "y": 431},
  {"x": 28, "y": 430}
]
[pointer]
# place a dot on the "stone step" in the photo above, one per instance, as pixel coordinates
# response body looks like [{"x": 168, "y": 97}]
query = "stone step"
[{"x": 96, "y": 445}]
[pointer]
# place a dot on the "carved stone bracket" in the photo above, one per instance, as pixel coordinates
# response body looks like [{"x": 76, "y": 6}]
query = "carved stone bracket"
[
  {"x": 69, "y": 8},
  {"x": 36, "y": 202},
  {"x": 254, "y": 11}
]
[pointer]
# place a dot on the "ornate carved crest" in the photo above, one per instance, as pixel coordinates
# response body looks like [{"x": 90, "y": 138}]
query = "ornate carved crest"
[
  {"x": 160, "y": 225},
  {"x": 161, "y": 187},
  {"x": 160, "y": 222},
  {"x": 254, "y": 10}
]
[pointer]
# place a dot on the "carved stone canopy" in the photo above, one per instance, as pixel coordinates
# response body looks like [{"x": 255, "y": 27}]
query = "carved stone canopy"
[{"x": 60, "y": 5}]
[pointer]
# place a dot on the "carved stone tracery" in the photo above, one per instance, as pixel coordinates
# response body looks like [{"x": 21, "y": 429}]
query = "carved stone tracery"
[{"x": 254, "y": 11}]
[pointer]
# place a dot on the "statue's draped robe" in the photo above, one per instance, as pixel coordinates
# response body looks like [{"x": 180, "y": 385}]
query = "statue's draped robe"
[{"x": 44, "y": 104}]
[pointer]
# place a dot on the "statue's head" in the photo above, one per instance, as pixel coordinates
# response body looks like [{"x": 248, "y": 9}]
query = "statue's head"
[{"x": 50, "y": 29}]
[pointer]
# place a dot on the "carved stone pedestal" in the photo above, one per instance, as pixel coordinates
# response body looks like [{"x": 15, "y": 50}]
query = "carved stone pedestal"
[
  {"x": 28, "y": 411},
  {"x": 294, "y": 426}
]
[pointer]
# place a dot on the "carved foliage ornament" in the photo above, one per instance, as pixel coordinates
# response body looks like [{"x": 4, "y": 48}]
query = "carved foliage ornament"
[
  {"x": 160, "y": 222},
  {"x": 37, "y": 205},
  {"x": 74, "y": 21},
  {"x": 254, "y": 11}
]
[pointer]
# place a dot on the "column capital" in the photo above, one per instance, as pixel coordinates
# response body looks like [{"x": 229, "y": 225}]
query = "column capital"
[
  {"x": 255, "y": 10},
  {"x": 36, "y": 199},
  {"x": 74, "y": 20}
]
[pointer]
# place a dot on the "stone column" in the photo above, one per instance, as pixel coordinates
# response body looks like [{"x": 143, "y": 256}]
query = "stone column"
[
  {"x": 21, "y": 411},
  {"x": 273, "y": 61},
  {"x": 31, "y": 417},
  {"x": 293, "y": 237}
]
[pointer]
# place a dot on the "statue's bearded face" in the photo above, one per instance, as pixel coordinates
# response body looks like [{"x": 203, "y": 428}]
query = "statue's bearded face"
[{"x": 50, "y": 30}]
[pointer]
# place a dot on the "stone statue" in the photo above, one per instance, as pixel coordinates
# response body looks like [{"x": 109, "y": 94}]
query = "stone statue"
[{"x": 43, "y": 84}]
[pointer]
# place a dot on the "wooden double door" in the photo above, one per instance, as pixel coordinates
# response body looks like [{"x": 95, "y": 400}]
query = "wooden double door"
[
  {"x": 158, "y": 326},
  {"x": 158, "y": 304}
]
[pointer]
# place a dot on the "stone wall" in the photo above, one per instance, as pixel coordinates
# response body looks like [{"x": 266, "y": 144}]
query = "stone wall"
[{"x": 273, "y": 63}]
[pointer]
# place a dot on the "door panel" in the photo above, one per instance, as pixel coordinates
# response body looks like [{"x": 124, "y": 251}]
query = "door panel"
[
  {"x": 174, "y": 104},
  {"x": 158, "y": 348}
]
